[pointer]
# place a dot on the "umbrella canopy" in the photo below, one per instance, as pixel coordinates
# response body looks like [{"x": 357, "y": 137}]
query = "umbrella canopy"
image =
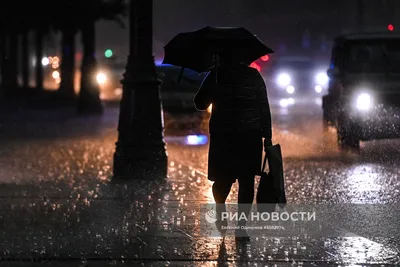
[{"x": 196, "y": 50}]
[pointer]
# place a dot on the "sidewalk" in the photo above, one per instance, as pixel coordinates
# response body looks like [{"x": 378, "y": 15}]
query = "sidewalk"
[{"x": 56, "y": 204}]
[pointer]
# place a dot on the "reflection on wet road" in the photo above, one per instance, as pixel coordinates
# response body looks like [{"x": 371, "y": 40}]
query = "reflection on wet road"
[
  {"x": 317, "y": 172},
  {"x": 57, "y": 172}
]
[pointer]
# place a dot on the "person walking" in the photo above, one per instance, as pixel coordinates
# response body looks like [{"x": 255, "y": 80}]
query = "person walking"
[{"x": 240, "y": 119}]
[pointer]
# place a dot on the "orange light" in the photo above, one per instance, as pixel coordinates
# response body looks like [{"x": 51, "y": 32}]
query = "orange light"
[
  {"x": 265, "y": 58},
  {"x": 55, "y": 74},
  {"x": 390, "y": 27},
  {"x": 255, "y": 66},
  {"x": 209, "y": 109}
]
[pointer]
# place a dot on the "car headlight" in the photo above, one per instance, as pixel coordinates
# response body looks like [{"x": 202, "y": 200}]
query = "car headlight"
[
  {"x": 321, "y": 78},
  {"x": 285, "y": 102},
  {"x": 101, "y": 78},
  {"x": 290, "y": 89},
  {"x": 364, "y": 102},
  {"x": 283, "y": 79},
  {"x": 318, "y": 89}
]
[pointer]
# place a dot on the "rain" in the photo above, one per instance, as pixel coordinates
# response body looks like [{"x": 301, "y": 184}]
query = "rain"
[{"x": 62, "y": 204}]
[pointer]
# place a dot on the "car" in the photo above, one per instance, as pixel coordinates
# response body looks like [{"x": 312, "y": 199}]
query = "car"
[
  {"x": 177, "y": 89},
  {"x": 297, "y": 75},
  {"x": 108, "y": 77},
  {"x": 177, "y": 92},
  {"x": 363, "y": 98}
]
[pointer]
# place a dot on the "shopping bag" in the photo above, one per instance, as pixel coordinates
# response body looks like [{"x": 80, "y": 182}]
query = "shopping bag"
[{"x": 271, "y": 189}]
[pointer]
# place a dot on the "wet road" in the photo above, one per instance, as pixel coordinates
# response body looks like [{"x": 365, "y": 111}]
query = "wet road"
[{"x": 57, "y": 202}]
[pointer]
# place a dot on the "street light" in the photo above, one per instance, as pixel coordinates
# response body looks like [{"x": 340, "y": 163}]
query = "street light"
[{"x": 140, "y": 150}]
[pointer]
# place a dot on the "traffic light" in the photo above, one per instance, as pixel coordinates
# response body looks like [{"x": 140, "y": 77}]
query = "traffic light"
[
  {"x": 391, "y": 27},
  {"x": 108, "y": 53}
]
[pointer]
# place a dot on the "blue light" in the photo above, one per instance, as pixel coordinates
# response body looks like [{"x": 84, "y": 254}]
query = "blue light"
[
  {"x": 158, "y": 62},
  {"x": 195, "y": 140}
]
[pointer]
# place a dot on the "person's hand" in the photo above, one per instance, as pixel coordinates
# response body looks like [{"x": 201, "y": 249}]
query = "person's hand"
[{"x": 267, "y": 143}]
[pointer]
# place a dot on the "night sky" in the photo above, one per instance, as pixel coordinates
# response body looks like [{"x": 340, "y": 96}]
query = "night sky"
[{"x": 275, "y": 22}]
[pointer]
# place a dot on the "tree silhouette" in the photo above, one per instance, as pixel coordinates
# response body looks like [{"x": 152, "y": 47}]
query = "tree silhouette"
[
  {"x": 68, "y": 22},
  {"x": 9, "y": 30},
  {"x": 81, "y": 16},
  {"x": 76, "y": 16},
  {"x": 40, "y": 24},
  {"x": 89, "y": 96},
  {"x": 13, "y": 24}
]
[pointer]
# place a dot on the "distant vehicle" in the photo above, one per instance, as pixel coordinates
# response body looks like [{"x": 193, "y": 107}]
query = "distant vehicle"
[
  {"x": 363, "y": 100},
  {"x": 109, "y": 78},
  {"x": 52, "y": 77},
  {"x": 289, "y": 76},
  {"x": 177, "y": 95}
]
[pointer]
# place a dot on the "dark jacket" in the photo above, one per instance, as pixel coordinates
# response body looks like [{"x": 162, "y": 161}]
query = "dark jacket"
[{"x": 239, "y": 101}]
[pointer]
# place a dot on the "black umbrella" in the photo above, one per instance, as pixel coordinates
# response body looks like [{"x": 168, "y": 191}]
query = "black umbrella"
[{"x": 197, "y": 50}]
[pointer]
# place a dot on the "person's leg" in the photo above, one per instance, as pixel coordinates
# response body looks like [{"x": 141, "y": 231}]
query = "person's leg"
[
  {"x": 249, "y": 160},
  {"x": 246, "y": 189},
  {"x": 221, "y": 191},
  {"x": 246, "y": 194},
  {"x": 245, "y": 201}
]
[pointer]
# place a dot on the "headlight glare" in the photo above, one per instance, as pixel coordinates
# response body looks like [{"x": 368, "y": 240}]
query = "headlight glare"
[
  {"x": 364, "y": 102},
  {"x": 101, "y": 78},
  {"x": 318, "y": 89},
  {"x": 283, "y": 79},
  {"x": 290, "y": 89},
  {"x": 322, "y": 78}
]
